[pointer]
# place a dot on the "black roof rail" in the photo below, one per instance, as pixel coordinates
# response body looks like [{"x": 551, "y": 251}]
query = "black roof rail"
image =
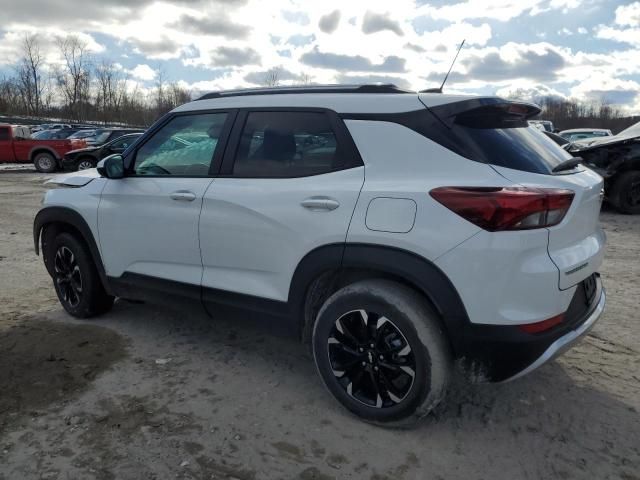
[{"x": 366, "y": 88}]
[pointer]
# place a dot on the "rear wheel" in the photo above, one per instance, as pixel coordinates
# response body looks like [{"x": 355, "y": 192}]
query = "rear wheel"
[
  {"x": 45, "y": 162},
  {"x": 380, "y": 351},
  {"x": 625, "y": 192},
  {"x": 75, "y": 277}
]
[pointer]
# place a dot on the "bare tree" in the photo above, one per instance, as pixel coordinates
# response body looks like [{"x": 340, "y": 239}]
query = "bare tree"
[
  {"x": 272, "y": 78},
  {"x": 29, "y": 74},
  {"x": 305, "y": 79},
  {"x": 177, "y": 95},
  {"x": 160, "y": 94},
  {"x": 74, "y": 76},
  {"x": 110, "y": 86}
]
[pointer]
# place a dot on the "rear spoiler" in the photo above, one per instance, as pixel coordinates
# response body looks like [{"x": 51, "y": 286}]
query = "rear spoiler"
[{"x": 486, "y": 112}]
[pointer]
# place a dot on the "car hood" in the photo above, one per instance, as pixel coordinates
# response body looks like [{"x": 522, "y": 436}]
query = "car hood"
[
  {"x": 591, "y": 144},
  {"x": 74, "y": 179},
  {"x": 82, "y": 150}
]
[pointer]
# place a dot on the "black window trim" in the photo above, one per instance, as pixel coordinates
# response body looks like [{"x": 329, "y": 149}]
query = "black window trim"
[
  {"x": 7, "y": 129},
  {"x": 214, "y": 167},
  {"x": 343, "y": 139}
]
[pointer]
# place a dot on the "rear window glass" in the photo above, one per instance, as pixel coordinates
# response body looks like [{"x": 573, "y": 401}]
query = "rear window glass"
[
  {"x": 520, "y": 148},
  {"x": 4, "y": 134}
]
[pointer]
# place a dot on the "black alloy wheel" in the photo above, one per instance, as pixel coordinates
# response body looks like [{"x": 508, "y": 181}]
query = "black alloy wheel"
[
  {"x": 68, "y": 276},
  {"x": 371, "y": 358}
]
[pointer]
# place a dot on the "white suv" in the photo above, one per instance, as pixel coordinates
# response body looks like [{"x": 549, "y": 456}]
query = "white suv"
[{"x": 399, "y": 232}]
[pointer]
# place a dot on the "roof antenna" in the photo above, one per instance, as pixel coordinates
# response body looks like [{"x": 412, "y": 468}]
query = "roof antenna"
[{"x": 439, "y": 90}]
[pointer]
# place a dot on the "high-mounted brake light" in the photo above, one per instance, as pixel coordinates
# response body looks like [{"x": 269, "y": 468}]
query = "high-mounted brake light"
[{"x": 511, "y": 208}]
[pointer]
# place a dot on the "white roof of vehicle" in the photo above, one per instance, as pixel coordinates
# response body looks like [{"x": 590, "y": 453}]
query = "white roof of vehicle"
[
  {"x": 343, "y": 102},
  {"x": 585, "y": 130}
]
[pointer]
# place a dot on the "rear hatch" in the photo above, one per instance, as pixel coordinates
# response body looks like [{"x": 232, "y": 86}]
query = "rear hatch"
[{"x": 496, "y": 132}]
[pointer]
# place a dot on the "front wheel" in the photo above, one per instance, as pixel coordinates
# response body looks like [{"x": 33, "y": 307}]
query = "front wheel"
[
  {"x": 625, "y": 192},
  {"x": 45, "y": 162},
  {"x": 86, "y": 163},
  {"x": 75, "y": 277},
  {"x": 381, "y": 352}
]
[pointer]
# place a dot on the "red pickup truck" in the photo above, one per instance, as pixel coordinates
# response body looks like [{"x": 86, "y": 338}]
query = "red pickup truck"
[{"x": 17, "y": 146}]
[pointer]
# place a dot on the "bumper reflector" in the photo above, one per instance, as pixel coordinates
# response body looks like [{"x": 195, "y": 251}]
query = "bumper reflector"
[{"x": 543, "y": 325}]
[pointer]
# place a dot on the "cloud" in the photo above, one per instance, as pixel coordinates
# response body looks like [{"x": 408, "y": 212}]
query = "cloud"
[
  {"x": 628, "y": 14},
  {"x": 532, "y": 93},
  {"x": 414, "y": 47},
  {"x": 376, "y": 22},
  {"x": 163, "y": 49},
  {"x": 329, "y": 23},
  {"x": 354, "y": 63},
  {"x": 232, "y": 56},
  {"x": 503, "y": 10},
  {"x": 602, "y": 88},
  {"x": 541, "y": 63},
  {"x": 143, "y": 72},
  {"x": 213, "y": 25}
]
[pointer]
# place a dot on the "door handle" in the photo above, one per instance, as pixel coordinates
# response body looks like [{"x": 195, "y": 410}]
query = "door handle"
[
  {"x": 183, "y": 195},
  {"x": 320, "y": 203}
]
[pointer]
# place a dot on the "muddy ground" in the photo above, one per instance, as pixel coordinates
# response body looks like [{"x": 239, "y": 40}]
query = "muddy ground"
[{"x": 147, "y": 393}]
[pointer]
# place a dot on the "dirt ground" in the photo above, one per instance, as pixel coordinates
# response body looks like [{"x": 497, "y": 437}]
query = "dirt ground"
[{"x": 147, "y": 393}]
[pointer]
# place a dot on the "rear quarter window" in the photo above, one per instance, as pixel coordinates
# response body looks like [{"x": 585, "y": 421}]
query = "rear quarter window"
[{"x": 519, "y": 148}]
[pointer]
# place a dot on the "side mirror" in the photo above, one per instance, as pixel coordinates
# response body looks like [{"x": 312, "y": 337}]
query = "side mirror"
[{"x": 111, "y": 167}]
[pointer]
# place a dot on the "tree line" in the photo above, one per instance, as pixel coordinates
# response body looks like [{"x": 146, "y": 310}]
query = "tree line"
[
  {"x": 81, "y": 88},
  {"x": 570, "y": 113}
]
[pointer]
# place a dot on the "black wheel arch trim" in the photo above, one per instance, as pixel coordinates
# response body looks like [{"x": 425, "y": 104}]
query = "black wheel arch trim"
[
  {"x": 68, "y": 216},
  {"x": 414, "y": 269}
]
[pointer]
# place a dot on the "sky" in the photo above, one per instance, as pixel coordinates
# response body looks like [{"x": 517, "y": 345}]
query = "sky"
[{"x": 583, "y": 49}]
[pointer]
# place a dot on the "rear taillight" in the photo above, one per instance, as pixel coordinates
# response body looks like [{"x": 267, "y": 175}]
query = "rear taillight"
[
  {"x": 512, "y": 208},
  {"x": 542, "y": 326}
]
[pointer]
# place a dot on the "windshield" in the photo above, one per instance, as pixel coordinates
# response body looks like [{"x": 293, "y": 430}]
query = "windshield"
[
  {"x": 83, "y": 134},
  {"x": 44, "y": 135}
]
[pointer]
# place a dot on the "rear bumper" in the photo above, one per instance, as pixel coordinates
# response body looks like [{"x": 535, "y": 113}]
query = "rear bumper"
[
  {"x": 565, "y": 342},
  {"x": 503, "y": 353}
]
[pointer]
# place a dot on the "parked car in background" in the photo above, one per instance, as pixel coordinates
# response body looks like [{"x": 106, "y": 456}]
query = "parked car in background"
[
  {"x": 617, "y": 159},
  {"x": 544, "y": 124},
  {"x": 576, "y": 134},
  {"x": 259, "y": 199},
  {"x": 83, "y": 133},
  {"x": 54, "y": 134},
  {"x": 90, "y": 156},
  {"x": 105, "y": 135},
  {"x": 17, "y": 146}
]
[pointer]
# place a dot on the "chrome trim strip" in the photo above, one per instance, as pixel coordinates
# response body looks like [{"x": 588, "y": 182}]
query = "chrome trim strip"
[{"x": 566, "y": 341}]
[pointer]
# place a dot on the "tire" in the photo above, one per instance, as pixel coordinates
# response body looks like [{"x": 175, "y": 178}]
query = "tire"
[
  {"x": 75, "y": 277},
  {"x": 45, "y": 162},
  {"x": 85, "y": 163},
  {"x": 411, "y": 353},
  {"x": 625, "y": 192}
]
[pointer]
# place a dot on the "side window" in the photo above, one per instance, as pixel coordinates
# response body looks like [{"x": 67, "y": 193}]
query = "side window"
[
  {"x": 122, "y": 143},
  {"x": 4, "y": 134},
  {"x": 287, "y": 144},
  {"x": 184, "y": 146}
]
